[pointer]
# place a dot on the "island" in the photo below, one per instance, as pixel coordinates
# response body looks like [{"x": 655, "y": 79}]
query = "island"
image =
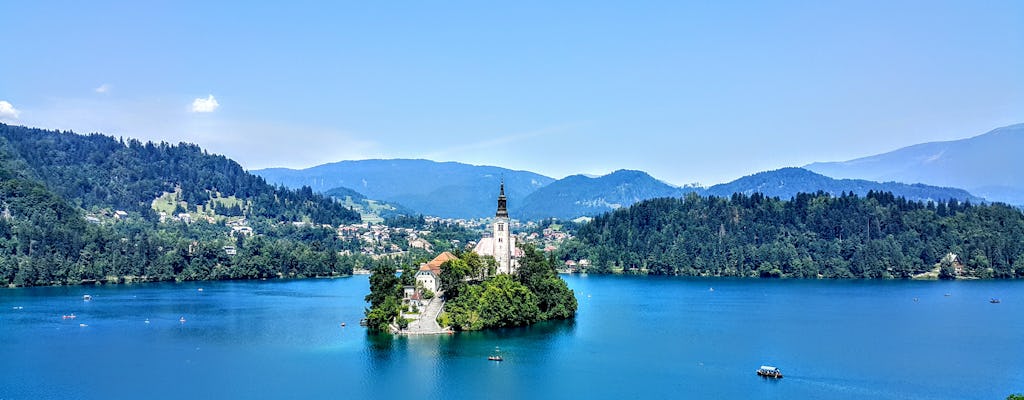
[{"x": 499, "y": 283}]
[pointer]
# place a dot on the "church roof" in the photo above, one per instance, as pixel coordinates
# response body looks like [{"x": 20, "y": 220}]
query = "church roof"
[{"x": 435, "y": 264}]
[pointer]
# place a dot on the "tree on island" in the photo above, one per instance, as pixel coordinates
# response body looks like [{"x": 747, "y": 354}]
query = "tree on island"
[
  {"x": 534, "y": 293},
  {"x": 475, "y": 297}
]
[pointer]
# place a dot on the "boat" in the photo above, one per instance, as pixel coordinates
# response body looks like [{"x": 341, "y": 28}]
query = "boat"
[
  {"x": 182, "y": 320},
  {"x": 496, "y": 356},
  {"x": 70, "y": 316},
  {"x": 362, "y": 322},
  {"x": 994, "y": 300},
  {"x": 768, "y": 371},
  {"x": 87, "y": 297}
]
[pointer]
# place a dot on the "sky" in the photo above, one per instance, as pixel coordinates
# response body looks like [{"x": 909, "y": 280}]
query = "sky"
[{"x": 691, "y": 92}]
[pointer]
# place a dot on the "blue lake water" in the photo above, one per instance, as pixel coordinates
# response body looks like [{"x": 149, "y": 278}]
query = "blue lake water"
[{"x": 634, "y": 337}]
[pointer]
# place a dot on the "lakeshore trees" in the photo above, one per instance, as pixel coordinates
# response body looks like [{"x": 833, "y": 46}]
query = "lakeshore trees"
[
  {"x": 49, "y": 180},
  {"x": 809, "y": 236}
]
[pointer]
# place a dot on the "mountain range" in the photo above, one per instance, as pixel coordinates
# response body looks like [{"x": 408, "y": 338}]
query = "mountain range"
[
  {"x": 984, "y": 167},
  {"x": 988, "y": 165},
  {"x": 444, "y": 189},
  {"x": 576, "y": 195}
]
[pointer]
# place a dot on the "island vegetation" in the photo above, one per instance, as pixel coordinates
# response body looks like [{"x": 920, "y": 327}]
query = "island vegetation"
[
  {"x": 475, "y": 297},
  {"x": 809, "y": 236}
]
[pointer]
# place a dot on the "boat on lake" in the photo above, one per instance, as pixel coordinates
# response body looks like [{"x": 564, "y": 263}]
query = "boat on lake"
[
  {"x": 768, "y": 371},
  {"x": 496, "y": 356},
  {"x": 994, "y": 300},
  {"x": 87, "y": 297}
]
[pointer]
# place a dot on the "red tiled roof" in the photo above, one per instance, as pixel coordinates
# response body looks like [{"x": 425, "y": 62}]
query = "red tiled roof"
[{"x": 435, "y": 264}]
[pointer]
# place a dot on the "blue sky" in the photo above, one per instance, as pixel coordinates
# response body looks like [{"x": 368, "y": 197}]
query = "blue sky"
[{"x": 688, "y": 91}]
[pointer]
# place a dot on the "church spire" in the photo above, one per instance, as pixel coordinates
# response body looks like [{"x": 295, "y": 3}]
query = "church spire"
[{"x": 502, "y": 212}]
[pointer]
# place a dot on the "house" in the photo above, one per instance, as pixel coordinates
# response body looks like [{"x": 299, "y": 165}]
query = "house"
[
  {"x": 230, "y": 250},
  {"x": 420, "y": 244},
  {"x": 241, "y": 230},
  {"x": 429, "y": 274},
  {"x": 411, "y": 297}
]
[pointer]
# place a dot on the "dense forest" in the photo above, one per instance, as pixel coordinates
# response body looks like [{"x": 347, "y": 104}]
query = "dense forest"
[
  {"x": 101, "y": 171},
  {"x": 810, "y": 236},
  {"x": 50, "y": 181},
  {"x": 476, "y": 298}
]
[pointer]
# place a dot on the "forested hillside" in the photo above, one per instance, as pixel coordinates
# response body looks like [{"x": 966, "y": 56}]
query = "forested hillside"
[
  {"x": 46, "y": 178},
  {"x": 810, "y": 236},
  {"x": 101, "y": 171}
]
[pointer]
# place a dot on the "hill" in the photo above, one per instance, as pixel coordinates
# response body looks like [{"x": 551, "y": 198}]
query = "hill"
[
  {"x": 444, "y": 189},
  {"x": 101, "y": 171},
  {"x": 787, "y": 182},
  {"x": 374, "y": 211},
  {"x": 811, "y": 236},
  {"x": 83, "y": 209},
  {"x": 580, "y": 195},
  {"x": 988, "y": 165}
]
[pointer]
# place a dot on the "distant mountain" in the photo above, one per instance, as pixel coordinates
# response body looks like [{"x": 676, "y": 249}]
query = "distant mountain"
[
  {"x": 787, "y": 182},
  {"x": 580, "y": 195},
  {"x": 988, "y": 165},
  {"x": 444, "y": 189}
]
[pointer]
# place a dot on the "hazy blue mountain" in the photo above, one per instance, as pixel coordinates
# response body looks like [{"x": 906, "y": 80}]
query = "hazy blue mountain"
[
  {"x": 580, "y": 195},
  {"x": 988, "y": 165},
  {"x": 445, "y": 189},
  {"x": 787, "y": 182}
]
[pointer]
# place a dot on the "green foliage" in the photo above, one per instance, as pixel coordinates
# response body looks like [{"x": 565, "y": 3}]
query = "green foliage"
[
  {"x": 453, "y": 274},
  {"x": 535, "y": 294},
  {"x": 385, "y": 295},
  {"x": 810, "y": 236},
  {"x": 45, "y": 239},
  {"x": 1016, "y": 396},
  {"x": 100, "y": 171}
]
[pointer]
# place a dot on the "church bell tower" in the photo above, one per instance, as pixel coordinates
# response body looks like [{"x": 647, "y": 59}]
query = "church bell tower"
[{"x": 502, "y": 236}]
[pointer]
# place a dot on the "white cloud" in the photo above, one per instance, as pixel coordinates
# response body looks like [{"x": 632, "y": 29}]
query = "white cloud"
[
  {"x": 7, "y": 111},
  {"x": 103, "y": 89},
  {"x": 206, "y": 105}
]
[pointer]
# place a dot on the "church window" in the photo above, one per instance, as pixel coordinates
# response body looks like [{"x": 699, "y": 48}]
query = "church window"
[
  {"x": 499, "y": 240},
  {"x": 501, "y": 227}
]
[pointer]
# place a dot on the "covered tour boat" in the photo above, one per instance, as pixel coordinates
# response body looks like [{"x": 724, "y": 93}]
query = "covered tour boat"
[{"x": 768, "y": 371}]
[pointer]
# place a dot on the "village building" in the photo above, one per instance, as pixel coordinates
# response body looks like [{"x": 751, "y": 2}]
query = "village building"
[
  {"x": 429, "y": 275},
  {"x": 501, "y": 244}
]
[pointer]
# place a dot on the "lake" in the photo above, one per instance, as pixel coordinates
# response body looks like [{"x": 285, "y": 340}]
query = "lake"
[{"x": 634, "y": 337}]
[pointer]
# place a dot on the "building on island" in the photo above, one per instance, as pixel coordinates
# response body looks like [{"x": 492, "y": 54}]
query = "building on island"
[
  {"x": 429, "y": 275},
  {"x": 501, "y": 244}
]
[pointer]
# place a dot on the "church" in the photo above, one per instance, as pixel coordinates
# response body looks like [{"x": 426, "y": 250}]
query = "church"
[
  {"x": 501, "y": 244},
  {"x": 498, "y": 243}
]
